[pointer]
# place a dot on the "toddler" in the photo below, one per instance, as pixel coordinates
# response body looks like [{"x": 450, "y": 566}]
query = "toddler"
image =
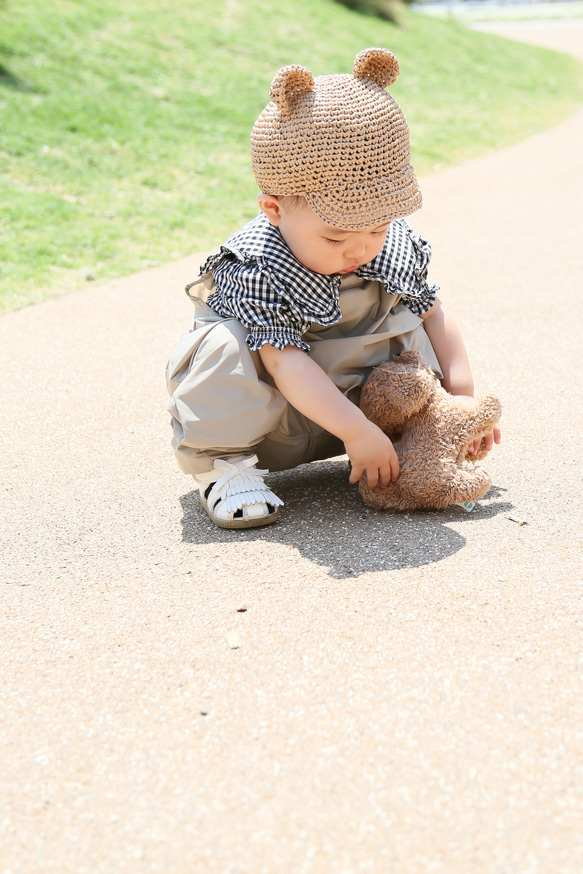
[{"x": 299, "y": 305}]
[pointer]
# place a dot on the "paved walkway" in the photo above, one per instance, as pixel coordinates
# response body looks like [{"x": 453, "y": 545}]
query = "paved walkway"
[{"x": 345, "y": 691}]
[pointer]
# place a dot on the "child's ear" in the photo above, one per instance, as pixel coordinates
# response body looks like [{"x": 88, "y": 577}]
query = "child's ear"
[{"x": 271, "y": 206}]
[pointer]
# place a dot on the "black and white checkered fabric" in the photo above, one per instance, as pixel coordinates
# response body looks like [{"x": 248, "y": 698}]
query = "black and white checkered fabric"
[{"x": 260, "y": 283}]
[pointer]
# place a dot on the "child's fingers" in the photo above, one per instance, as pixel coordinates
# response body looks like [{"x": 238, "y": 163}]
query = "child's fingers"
[
  {"x": 494, "y": 437},
  {"x": 372, "y": 478},
  {"x": 389, "y": 473},
  {"x": 384, "y": 478},
  {"x": 376, "y": 476},
  {"x": 394, "y": 467},
  {"x": 355, "y": 473},
  {"x": 488, "y": 442}
]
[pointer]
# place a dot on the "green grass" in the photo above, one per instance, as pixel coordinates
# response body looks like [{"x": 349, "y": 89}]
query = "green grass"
[{"x": 124, "y": 127}]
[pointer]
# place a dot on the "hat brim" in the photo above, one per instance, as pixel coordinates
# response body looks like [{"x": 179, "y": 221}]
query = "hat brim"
[{"x": 355, "y": 207}]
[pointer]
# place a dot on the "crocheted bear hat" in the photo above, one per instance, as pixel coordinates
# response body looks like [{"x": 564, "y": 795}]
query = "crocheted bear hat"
[{"x": 341, "y": 141}]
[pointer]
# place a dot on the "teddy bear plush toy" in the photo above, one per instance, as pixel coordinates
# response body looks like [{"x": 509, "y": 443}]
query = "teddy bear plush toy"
[{"x": 431, "y": 431}]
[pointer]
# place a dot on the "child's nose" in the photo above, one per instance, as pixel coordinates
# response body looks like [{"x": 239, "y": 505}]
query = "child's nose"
[{"x": 355, "y": 249}]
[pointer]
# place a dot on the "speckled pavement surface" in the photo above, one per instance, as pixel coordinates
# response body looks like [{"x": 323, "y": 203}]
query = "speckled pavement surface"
[{"x": 344, "y": 691}]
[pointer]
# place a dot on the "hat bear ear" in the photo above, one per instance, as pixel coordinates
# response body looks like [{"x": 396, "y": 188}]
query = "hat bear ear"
[
  {"x": 287, "y": 82},
  {"x": 380, "y": 65}
]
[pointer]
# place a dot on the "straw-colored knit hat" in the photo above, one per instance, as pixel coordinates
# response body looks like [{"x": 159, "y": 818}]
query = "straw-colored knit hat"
[{"x": 341, "y": 141}]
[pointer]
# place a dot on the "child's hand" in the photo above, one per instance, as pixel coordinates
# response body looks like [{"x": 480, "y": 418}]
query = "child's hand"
[
  {"x": 372, "y": 452},
  {"x": 489, "y": 441},
  {"x": 491, "y": 438}
]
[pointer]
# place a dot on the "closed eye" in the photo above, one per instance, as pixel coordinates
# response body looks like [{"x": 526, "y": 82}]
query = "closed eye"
[{"x": 333, "y": 242}]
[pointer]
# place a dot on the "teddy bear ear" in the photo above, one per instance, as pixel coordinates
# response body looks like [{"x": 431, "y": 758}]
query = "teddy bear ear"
[
  {"x": 379, "y": 65},
  {"x": 288, "y": 82}
]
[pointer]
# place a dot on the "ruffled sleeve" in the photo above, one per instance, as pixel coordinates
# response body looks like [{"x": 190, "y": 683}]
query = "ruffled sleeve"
[
  {"x": 249, "y": 291},
  {"x": 258, "y": 281},
  {"x": 402, "y": 266}
]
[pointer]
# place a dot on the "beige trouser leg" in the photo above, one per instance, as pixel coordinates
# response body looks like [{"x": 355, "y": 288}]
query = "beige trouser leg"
[{"x": 225, "y": 404}]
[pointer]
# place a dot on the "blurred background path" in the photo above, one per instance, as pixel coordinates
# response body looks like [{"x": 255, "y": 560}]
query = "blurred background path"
[{"x": 345, "y": 691}]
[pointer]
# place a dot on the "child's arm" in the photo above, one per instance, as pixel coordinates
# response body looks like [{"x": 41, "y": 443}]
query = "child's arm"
[
  {"x": 450, "y": 349},
  {"x": 311, "y": 391},
  {"x": 451, "y": 353}
]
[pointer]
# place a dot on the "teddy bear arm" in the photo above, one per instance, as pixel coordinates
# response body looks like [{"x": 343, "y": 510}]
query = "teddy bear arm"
[
  {"x": 483, "y": 417},
  {"x": 472, "y": 424}
]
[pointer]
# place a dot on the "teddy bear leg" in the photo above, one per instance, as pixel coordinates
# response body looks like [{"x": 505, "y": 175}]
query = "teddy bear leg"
[
  {"x": 388, "y": 498},
  {"x": 468, "y": 485}
]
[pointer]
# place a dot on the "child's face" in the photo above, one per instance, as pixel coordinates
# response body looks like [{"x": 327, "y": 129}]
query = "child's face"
[{"x": 319, "y": 246}]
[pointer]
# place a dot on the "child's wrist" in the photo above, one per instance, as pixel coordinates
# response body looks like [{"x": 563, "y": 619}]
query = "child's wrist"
[
  {"x": 353, "y": 427},
  {"x": 461, "y": 390}
]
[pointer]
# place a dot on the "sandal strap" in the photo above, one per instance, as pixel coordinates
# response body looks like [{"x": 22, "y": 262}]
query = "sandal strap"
[{"x": 240, "y": 484}]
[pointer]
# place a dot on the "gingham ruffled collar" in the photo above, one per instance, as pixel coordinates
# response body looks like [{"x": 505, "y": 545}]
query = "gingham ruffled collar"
[{"x": 401, "y": 266}]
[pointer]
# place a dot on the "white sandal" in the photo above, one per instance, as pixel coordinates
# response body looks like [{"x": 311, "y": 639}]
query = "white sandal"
[{"x": 235, "y": 496}]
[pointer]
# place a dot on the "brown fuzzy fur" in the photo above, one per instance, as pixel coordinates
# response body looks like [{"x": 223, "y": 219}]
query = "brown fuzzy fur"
[{"x": 431, "y": 431}]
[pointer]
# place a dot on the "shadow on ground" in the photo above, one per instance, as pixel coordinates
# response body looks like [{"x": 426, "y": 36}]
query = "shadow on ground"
[{"x": 325, "y": 520}]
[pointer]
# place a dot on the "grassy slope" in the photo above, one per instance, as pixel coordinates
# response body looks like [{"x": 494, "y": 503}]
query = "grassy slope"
[{"x": 124, "y": 127}]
